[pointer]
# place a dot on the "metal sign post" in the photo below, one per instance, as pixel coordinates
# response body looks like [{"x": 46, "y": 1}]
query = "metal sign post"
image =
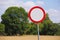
[{"x": 38, "y": 31}]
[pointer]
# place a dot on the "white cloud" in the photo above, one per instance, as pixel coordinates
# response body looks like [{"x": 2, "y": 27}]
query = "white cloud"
[
  {"x": 27, "y": 5},
  {"x": 54, "y": 15},
  {"x": 40, "y": 3}
]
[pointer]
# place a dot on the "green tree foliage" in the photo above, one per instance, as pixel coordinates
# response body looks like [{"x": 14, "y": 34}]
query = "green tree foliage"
[
  {"x": 32, "y": 30},
  {"x": 57, "y": 25},
  {"x": 2, "y": 29},
  {"x": 49, "y": 28},
  {"x": 14, "y": 19}
]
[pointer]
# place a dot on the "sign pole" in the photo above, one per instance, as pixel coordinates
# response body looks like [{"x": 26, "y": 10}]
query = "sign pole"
[{"x": 38, "y": 31}]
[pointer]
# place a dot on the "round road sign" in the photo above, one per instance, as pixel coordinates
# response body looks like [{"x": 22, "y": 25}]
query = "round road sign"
[{"x": 36, "y": 14}]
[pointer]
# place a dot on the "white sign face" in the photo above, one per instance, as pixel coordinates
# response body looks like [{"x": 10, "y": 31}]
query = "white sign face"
[{"x": 37, "y": 14}]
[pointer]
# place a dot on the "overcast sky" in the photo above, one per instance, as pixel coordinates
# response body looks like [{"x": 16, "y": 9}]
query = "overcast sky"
[{"x": 52, "y": 7}]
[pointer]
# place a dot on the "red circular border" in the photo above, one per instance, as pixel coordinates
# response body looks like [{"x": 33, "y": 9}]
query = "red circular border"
[{"x": 38, "y": 8}]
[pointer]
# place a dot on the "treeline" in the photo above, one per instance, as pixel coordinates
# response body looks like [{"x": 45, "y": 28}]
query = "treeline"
[{"x": 15, "y": 22}]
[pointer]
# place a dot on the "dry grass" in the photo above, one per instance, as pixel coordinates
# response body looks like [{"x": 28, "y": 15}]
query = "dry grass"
[{"x": 29, "y": 37}]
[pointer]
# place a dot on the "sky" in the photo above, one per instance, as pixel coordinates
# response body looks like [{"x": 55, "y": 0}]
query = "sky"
[{"x": 52, "y": 7}]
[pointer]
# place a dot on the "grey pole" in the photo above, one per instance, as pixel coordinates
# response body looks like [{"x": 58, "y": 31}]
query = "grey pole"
[{"x": 38, "y": 31}]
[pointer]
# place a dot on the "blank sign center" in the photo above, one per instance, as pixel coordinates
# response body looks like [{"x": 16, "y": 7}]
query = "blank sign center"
[{"x": 36, "y": 14}]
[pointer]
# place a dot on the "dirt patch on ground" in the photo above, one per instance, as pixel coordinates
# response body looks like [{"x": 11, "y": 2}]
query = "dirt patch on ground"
[{"x": 29, "y": 37}]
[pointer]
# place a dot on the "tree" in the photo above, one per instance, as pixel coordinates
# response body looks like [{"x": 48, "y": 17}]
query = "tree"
[
  {"x": 57, "y": 28},
  {"x": 32, "y": 29},
  {"x": 14, "y": 19},
  {"x": 49, "y": 27}
]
